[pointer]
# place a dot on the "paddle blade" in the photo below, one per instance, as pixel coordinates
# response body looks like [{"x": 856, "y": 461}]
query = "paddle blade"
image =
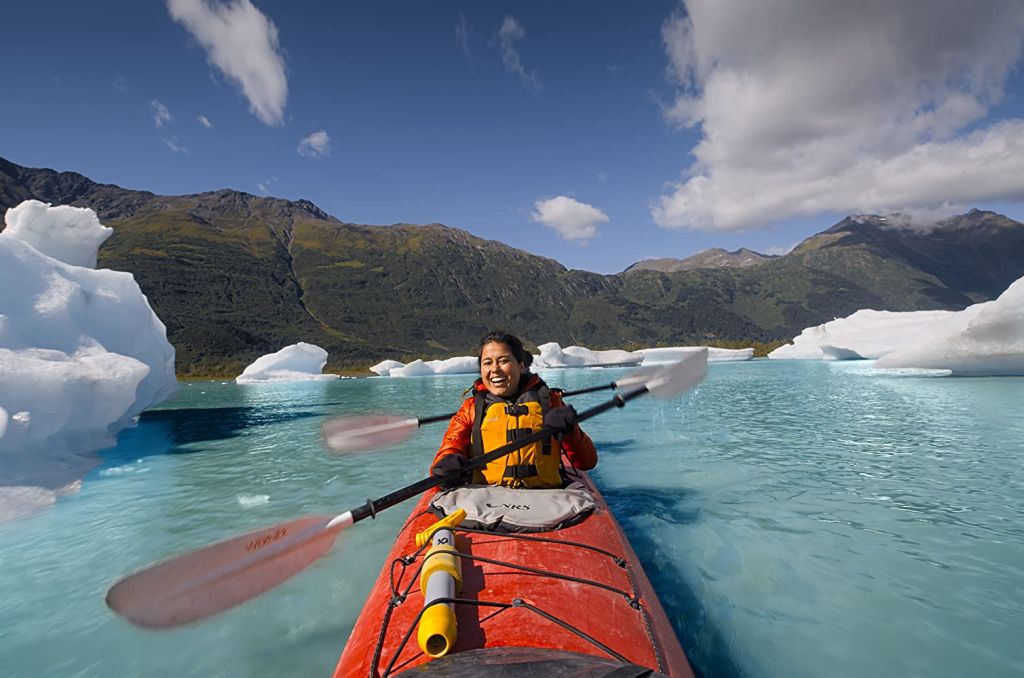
[
  {"x": 363, "y": 432},
  {"x": 637, "y": 377},
  {"x": 220, "y": 576},
  {"x": 679, "y": 377}
]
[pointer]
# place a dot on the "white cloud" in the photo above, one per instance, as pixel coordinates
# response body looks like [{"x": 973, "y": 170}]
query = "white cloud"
[
  {"x": 264, "y": 185},
  {"x": 205, "y": 122},
  {"x": 242, "y": 43},
  {"x": 779, "y": 251},
  {"x": 462, "y": 31},
  {"x": 875, "y": 106},
  {"x": 161, "y": 115},
  {"x": 172, "y": 143},
  {"x": 316, "y": 145},
  {"x": 571, "y": 219},
  {"x": 510, "y": 31}
]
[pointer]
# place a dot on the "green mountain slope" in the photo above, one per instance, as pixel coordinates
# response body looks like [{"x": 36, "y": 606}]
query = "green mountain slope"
[{"x": 235, "y": 276}]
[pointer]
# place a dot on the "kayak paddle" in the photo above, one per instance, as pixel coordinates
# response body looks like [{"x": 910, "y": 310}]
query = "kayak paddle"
[
  {"x": 351, "y": 433},
  {"x": 215, "y": 578}
]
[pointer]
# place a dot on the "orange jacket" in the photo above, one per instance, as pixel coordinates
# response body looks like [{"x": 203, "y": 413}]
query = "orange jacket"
[{"x": 576, "y": 445}]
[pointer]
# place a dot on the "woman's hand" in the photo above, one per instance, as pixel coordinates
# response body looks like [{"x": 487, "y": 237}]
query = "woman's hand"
[
  {"x": 561, "y": 418},
  {"x": 453, "y": 468}
]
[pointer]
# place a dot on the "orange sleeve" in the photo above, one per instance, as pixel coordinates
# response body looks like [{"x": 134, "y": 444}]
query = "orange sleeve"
[
  {"x": 578, "y": 447},
  {"x": 457, "y": 439}
]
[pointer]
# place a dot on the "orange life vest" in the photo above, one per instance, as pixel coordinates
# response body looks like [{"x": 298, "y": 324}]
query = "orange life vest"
[{"x": 497, "y": 422}]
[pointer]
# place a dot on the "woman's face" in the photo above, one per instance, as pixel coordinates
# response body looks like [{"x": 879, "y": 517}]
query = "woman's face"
[{"x": 499, "y": 369}]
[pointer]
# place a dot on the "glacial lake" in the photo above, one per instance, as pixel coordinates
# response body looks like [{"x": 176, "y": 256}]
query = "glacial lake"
[{"x": 796, "y": 518}]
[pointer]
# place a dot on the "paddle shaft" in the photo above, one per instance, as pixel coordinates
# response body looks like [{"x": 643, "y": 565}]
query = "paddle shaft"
[{"x": 374, "y": 506}]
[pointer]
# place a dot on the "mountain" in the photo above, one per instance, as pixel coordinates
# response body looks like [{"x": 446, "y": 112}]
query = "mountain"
[
  {"x": 964, "y": 259},
  {"x": 715, "y": 257},
  {"x": 235, "y": 276}
]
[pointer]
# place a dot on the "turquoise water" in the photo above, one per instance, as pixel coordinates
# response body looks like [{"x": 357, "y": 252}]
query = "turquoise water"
[{"x": 797, "y": 519}]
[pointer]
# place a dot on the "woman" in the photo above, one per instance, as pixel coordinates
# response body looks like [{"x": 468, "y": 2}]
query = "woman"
[{"x": 510, "y": 403}]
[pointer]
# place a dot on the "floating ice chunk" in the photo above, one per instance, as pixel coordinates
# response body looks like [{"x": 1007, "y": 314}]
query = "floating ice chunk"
[
  {"x": 553, "y": 355},
  {"x": 72, "y": 235},
  {"x": 298, "y": 362},
  {"x": 658, "y": 356},
  {"x": 125, "y": 470},
  {"x": 990, "y": 343},
  {"x": 985, "y": 339},
  {"x": 81, "y": 351},
  {"x": 418, "y": 368},
  {"x": 871, "y": 334},
  {"x": 384, "y": 368}
]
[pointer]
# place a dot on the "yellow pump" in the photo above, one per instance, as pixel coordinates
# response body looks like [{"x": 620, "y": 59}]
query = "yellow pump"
[{"x": 441, "y": 577}]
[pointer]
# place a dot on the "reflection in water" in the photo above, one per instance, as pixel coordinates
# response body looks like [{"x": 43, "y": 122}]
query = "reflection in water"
[
  {"x": 187, "y": 426},
  {"x": 636, "y": 508}
]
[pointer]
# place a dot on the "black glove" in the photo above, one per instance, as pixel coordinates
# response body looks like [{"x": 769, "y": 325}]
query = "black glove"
[
  {"x": 561, "y": 418},
  {"x": 453, "y": 468}
]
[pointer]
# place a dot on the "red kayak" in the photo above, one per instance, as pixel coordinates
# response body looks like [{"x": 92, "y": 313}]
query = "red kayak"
[{"x": 568, "y": 601}]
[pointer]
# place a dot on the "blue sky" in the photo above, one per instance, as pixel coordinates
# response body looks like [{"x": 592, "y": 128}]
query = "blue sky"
[{"x": 597, "y": 134}]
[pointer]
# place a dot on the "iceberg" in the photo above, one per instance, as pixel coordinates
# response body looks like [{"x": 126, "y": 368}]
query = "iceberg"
[
  {"x": 418, "y": 368},
  {"x": 552, "y": 355},
  {"x": 383, "y": 369},
  {"x": 81, "y": 353},
  {"x": 870, "y": 334},
  {"x": 298, "y": 362},
  {"x": 986, "y": 339},
  {"x": 990, "y": 343},
  {"x": 672, "y": 354}
]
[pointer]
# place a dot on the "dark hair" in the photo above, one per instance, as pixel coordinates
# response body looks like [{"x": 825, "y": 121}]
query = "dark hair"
[{"x": 510, "y": 340}]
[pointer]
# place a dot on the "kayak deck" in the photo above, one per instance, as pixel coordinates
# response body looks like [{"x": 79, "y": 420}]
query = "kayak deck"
[{"x": 579, "y": 589}]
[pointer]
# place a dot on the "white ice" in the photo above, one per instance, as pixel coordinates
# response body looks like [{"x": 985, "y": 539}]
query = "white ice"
[
  {"x": 384, "y": 368},
  {"x": 661, "y": 356},
  {"x": 553, "y": 356},
  {"x": 985, "y": 339},
  {"x": 69, "y": 234},
  {"x": 418, "y": 368},
  {"x": 298, "y": 362},
  {"x": 990, "y": 344},
  {"x": 81, "y": 353}
]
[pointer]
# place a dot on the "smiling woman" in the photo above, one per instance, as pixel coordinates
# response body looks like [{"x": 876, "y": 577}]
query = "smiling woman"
[
  {"x": 509, "y": 403},
  {"x": 501, "y": 366}
]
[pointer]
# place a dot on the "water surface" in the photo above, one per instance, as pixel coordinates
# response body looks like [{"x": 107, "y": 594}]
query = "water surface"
[{"x": 796, "y": 518}]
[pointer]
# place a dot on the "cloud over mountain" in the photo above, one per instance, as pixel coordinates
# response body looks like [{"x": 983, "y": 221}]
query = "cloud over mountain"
[
  {"x": 242, "y": 43},
  {"x": 316, "y": 145},
  {"x": 873, "y": 106},
  {"x": 571, "y": 219}
]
